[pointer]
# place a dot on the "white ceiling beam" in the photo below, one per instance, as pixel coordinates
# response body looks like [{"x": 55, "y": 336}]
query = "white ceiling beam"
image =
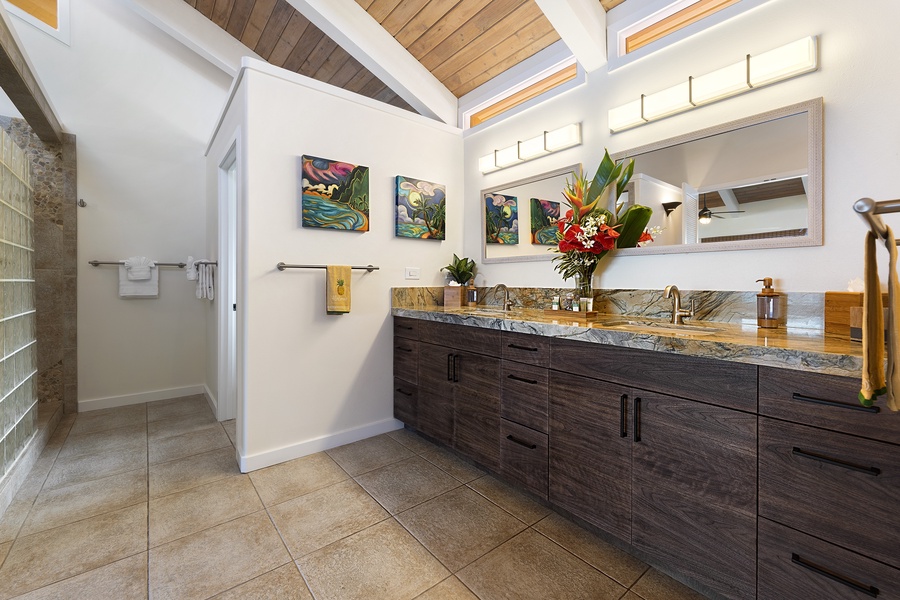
[
  {"x": 188, "y": 26},
  {"x": 582, "y": 26},
  {"x": 354, "y": 30},
  {"x": 730, "y": 200}
]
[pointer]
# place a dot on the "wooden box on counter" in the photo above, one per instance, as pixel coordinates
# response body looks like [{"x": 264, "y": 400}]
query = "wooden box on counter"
[{"x": 837, "y": 310}]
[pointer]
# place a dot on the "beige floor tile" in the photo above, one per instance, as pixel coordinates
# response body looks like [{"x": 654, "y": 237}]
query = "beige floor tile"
[
  {"x": 319, "y": 518},
  {"x": 449, "y": 589},
  {"x": 657, "y": 586},
  {"x": 296, "y": 477},
  {"x": 631, "y": 596},
  {"x": 13, "y": 517},
  {"x": 177, "y": 515},
  {"x": 231, "y": 429},
  {"x": 110, "y": 418},
  {"x": 89, "y": 467},
  {"x": 513, "y": 501},
  {"x": 531, "y": 566},
  {"x": 122, "y": 580},
  {"x": 411, "y": 440},
  {"x": 404, "y": 484},
  {"x": 71, "y": 503},
  {"x": 284, "y": 583},
  {"x": 460, "y": 526},
  {"x": 383, "y": 561},
  {"x": 50, "y": 556},
  {"x": 185, "y": 473},
  {"x": 616, "y": 563},
  {"x": 189, "y": 423},
  {"x": 452, "y": 464},
  {"x": 371, "y": 453},
  {"x": 125, "y": 438},
  {"x": 4, "y": 550},
  {"x": 217, "y": 559},
  {"x": 203, "y": 440},
  {"x": 177, "y": 407}
]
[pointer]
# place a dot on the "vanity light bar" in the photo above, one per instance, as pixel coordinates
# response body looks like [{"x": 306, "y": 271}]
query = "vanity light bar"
[
  {"x": 540, "y": 145},
  {"x": 782, "y": 63}
]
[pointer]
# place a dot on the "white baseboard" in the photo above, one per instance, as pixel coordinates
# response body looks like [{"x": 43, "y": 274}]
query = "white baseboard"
[
  {"x": 333, "y": 440},
  {"x": 211, "y": 399},
  {"x": 140, "y": 398}
]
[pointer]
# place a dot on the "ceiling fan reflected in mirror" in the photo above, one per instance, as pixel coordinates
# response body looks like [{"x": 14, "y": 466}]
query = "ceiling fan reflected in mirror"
[{"x": 706, "y": 215}]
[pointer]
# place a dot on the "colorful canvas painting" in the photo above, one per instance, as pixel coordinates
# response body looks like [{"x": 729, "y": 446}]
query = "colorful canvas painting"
[
  {"x": 544, "y": 215},
  {"x": 335, "y": 194},
  {"x": 421, "y": 209},
  {"x": 501, "y": 219}
]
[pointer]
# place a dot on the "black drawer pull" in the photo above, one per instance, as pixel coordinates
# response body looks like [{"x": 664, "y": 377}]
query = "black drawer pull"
[
  {"x": 874, "y": 471},
  {"x": 405, "y": 393},
  {"x": 522, "y": 379},
  {"x": 623, "y": 416},
  {"x": 516, "y": 440},
  {"x": 456, "y": 360},
  {"x": 449, "y": 367},
  {"x": 868, "y": 590},
  {"x": 406, "y": 327},
  {"x": 405, "y": 349},
  {"x": 834, "y": 403},
  {"x": 637, "y": 420},
  {"x": 518, "y": 347}
]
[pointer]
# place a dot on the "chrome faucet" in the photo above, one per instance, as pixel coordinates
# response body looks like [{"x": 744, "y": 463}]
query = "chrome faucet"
[
  {"x": 678, "y": 313},
  {"x": 507, "y": 304}
]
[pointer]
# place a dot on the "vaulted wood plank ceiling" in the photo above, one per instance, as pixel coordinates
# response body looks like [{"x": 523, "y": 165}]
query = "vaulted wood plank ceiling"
[{"x": 463, "y": 43}]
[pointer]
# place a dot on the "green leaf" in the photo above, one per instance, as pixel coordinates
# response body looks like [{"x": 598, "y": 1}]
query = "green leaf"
[
  {"x": 607, "y": 172},
  {"x": 626, "y": 177},
  {"x": 633, "y": 222}
]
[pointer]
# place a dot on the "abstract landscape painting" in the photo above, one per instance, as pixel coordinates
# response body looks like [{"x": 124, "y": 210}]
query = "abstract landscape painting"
[
  {"x": 421, "y": 209},
  {"x": 501, "y": 219},
  {"x": 335, "y": 194},
  {"x": 544, "y": 215}
]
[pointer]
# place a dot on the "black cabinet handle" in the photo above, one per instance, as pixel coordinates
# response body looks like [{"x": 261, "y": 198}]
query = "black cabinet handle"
[
  {"x": 868, "y": 590},
  {"x": 637, "y": 420},
  {"x": 522, "y": 379},
  {"x": 405, "y": 393},
  {"x": 623, "y": 415},
  {"x": 516, "y": 440},
  {"x": 403, "y": 348},
  {"x": 449, "y": 367},
  {"x": 518, "y": 347},
  {"x": 406, "y": 327},
  {"x": 834, "y": 403},
  {"x": 874, "y": 471},
  {"x": 456, "y": 360}
]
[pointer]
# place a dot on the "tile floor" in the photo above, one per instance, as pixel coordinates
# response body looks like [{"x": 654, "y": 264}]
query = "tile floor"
[{"x": 147, "y": 501}]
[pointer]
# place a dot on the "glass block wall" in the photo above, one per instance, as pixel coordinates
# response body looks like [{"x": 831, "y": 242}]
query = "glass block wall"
[{"x": 18, "y": 396}]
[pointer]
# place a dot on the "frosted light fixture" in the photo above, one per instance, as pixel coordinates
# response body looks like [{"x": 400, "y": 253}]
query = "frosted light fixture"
[
  {"x": 776, "y": 65},
  {"x": 540, "y": 145}
]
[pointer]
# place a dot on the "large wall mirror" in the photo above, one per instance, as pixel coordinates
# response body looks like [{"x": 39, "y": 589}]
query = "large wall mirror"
[
  {"x": 751, "y": 183},
  {"x": 517, "y": 218}
]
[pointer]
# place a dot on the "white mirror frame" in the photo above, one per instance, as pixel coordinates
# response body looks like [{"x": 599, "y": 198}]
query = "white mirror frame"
[
  {"x": 814, "y": 115},
  {"x": 499, "y": 188}
]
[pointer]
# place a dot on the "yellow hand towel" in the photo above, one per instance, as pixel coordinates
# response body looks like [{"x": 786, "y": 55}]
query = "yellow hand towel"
[
  {"x": 337, "y": 289},
  {"x": 872, "y": 330},
  {"x": 893, "y": 327}
]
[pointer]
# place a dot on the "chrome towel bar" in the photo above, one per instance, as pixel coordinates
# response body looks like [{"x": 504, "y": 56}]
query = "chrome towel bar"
[
  {"x": 97, "y": 263},
  {"x": 869, "y": 210},
  {"x": 282, "y": 266}
]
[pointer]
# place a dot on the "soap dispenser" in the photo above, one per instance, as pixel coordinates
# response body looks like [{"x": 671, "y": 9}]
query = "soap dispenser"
[{"x": 768, "y": 305}]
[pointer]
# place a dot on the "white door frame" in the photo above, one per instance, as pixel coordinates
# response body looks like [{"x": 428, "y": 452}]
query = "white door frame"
[{"x": 229, "y": 191}]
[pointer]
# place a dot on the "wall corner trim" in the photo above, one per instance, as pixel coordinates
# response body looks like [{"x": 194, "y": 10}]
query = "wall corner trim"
[{"x": 140, "y": 398}]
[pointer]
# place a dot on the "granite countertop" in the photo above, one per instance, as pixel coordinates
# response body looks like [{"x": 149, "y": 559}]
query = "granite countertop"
[{"x": 810, "y": 350}]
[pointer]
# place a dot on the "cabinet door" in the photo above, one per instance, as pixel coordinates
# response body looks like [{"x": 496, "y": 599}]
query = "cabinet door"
[
  {"x": 435, "y": 392},
  {"x": 590, "y": 460},
  {"x": 694, "y": 490},
  {"x": 477, "y": 399}
]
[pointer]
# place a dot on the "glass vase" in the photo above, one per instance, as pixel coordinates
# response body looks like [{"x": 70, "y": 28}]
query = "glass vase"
[{"x": 584, "y": 288}]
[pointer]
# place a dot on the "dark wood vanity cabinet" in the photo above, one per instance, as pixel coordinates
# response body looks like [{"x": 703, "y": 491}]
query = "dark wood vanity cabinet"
[{"x": 406, "y": 367}]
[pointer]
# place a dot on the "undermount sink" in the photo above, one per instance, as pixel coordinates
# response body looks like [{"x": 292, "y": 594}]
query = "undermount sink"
[{"x": 657, "y": 326}]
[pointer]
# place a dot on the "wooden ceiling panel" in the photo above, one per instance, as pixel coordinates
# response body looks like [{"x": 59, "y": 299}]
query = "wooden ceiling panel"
[
  {"x": 296, "y": 26},
  {"x": 240, "y": 14},
  {"x": 259, "y": 18},
  {"x": 275, "y": 26},
  {"x": 312, "y": 36},
  {"x": 457, "y": 17},
  {"x": 610, "y": 4},
  {"x": 426, "y": 18},
  {"x": 221, "y": 11},
  {"x": 401, "y": 15}
]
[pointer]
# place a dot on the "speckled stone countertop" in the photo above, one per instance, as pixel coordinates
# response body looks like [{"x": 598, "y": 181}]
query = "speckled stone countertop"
[{"x": 803, "y": 349}]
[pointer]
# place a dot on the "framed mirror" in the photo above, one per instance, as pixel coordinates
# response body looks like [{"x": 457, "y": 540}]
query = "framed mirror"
[
  {"x": 751, "y": 183},
  {"x": 517, "y": 218}
]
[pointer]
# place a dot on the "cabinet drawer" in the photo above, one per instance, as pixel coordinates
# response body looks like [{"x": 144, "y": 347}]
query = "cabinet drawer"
[
  {"x": 523, "y": 456},
  {"x": 406, "y": 402},
  {"x": 406, "y": 362},
  {"x": 525, "y": 348},
  {"x": 406, "y": 328},
  {"x": 719, "y": 382},
  {"x": 838, "y": 487},
  {"x": 523, "y": 395},
  {"x": 461, "y": 337},
  {"x": 795, "y": 566},
  {"x": 824, "y": 401}
]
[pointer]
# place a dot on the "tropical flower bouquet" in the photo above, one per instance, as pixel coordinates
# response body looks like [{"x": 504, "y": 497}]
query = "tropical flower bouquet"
[{"x": 588, "y": 231}]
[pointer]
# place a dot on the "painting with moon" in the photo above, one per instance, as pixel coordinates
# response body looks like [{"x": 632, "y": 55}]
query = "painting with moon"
[
  {"x": 335, "y": 194},
  {"x": 421, "y": 209},
  {"x": 501, "y": 219}
]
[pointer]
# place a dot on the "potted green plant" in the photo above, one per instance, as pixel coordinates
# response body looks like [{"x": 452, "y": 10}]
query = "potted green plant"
[{"x": 461, "y": 270}]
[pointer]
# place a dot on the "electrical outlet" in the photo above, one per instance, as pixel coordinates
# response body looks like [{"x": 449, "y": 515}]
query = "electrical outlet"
[{"x": 412, "y": 273}]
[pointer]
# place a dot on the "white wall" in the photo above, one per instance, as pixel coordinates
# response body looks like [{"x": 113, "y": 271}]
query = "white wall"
[
  {"x": 313, "y": 380},
  {"x": 142, "y": 107},
  {"x": 857, "y": 79}
]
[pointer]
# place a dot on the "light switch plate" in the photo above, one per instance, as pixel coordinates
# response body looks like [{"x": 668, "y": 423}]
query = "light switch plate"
[{"x": 412, "y": 273}]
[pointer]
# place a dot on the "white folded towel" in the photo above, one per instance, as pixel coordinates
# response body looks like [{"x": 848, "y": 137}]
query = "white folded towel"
[
  {"x": 138, "y": 268},
  {"x": 206, "y": 281},
  {"x": 191, "y": 269},
  {"x": 146, "y": 288}
]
